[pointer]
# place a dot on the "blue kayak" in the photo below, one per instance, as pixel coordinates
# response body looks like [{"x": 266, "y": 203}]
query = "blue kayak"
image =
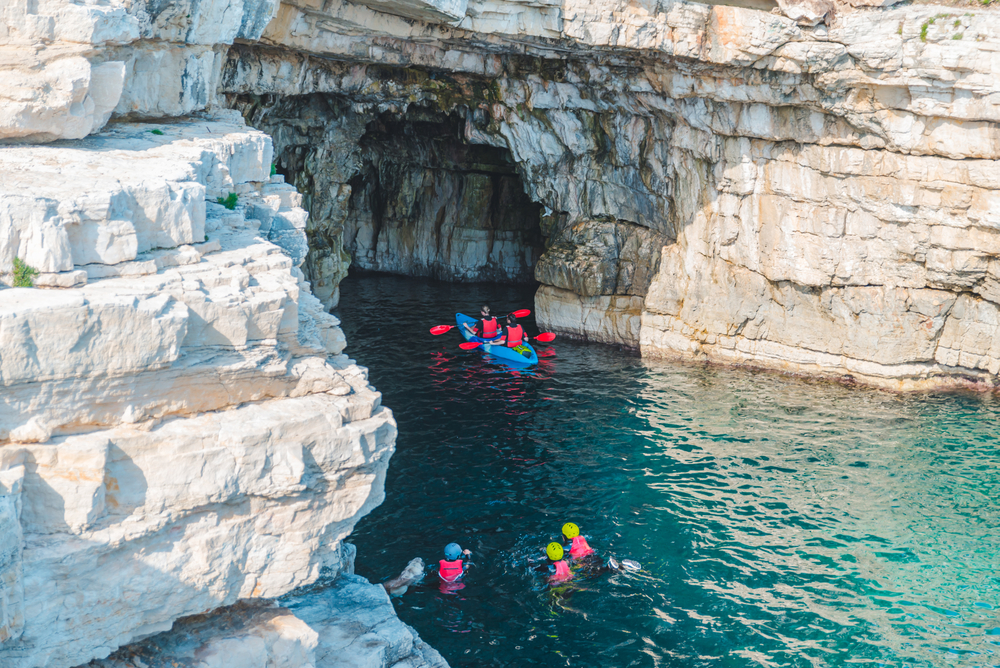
[{"x": 522, "y": 354}]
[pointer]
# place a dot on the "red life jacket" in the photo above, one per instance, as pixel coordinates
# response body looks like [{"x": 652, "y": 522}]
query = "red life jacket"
[
  {"x": 514, "y": 336},
  {"x": 562, "y": 571},
  {"x": 580, "y": 548},
  {"x": 490, "y": 328},
  {"x": 450, "y": 570}
]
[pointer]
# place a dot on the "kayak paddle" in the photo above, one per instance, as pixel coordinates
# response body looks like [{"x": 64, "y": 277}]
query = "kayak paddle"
[
  {"x": 544, "y": 337},
  {"x": 441, "y": 329}
]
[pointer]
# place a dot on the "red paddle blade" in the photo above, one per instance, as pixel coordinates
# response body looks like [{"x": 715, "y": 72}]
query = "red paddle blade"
[
  {"x": 521, "y": 313},
  {"x": 441, "y": 329},
  {"x": 469, "y": 345},
  {"x": 545, "y": 337}
]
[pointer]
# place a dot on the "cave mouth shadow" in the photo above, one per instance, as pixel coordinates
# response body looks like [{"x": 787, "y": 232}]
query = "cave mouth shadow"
[{"x": 427, "y": 202}]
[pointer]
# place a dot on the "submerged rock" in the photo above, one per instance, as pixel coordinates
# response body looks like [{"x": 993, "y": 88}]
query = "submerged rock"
[{"x": 412, "y": 574}]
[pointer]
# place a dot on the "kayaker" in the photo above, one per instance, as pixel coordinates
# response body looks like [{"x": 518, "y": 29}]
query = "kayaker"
[
  {"x": 555, "y": 565},
  {"x": 579, "y": 548},
  {"x": 452, "y": 567},
  {"x": 514, "y": 334},
  {"x": 487, "y": 327}
]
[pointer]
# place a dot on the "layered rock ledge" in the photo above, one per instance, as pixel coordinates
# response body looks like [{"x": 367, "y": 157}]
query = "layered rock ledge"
[
  {"x": 179, "y": 427},
  {"x": 809, "y": 189}
]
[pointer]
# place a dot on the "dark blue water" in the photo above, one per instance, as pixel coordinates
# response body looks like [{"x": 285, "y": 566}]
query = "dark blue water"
[{"x": 779, "y": 522}]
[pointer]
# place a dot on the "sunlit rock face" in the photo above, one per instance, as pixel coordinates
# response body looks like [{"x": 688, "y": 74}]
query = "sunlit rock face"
[
  {"x": 179, "y": 428},
  {"x": 344, "y": 622},
  {"x": 814, "y": 191},
  {"x": 821, "y": 180}
]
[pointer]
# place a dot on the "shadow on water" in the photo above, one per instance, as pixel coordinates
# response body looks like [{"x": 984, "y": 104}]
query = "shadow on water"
[{"x": 778, "y": 522}]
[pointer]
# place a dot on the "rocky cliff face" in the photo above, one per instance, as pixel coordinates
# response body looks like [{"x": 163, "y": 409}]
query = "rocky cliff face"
[
  {"x": 179, "y": 426},
  {"x": 821, "y": 183},
  {"x": 813, "y": 189}
]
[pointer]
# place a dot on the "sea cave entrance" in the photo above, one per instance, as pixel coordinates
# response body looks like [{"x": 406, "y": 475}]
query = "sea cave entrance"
[{"x": 425, "y": 202}]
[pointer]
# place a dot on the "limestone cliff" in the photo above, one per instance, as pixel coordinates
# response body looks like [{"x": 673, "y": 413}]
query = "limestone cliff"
[
  {"x": 813, "y": 189},
  {"x": 179, "y": 428},
  {"x": 820, "y": 176}
]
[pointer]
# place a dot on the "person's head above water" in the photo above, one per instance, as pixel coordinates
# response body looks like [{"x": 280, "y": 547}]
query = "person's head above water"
[
  {"x": 570, "y": 530},
  {"x": 452, "y": 551},
  {"x": 484, "y": 311},
  {"x": 554, "y": 551}
]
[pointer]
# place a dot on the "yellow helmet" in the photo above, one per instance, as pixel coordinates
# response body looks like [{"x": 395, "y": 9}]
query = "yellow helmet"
[
  {"x": 571, "y": 530},
  {"x": 555, "y": 551}
]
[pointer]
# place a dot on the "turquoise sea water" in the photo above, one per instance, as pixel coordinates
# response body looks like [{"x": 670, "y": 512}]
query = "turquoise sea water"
[{"x": 779, "y": 522}]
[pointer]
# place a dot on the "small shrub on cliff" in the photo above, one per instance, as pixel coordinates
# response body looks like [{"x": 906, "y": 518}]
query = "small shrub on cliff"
[
  {"x": 274, "y": 168},
  {"x": 229, "y": 201},
  {"x": 24, "y": 274},
  {"x": 156, "y": 132}
]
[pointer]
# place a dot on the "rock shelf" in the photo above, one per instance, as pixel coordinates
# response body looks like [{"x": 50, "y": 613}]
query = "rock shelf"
[{"x": 180, "y": 428}]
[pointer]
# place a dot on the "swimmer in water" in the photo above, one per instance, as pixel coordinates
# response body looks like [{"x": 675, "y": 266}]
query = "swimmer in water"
[
  {"x": 581, "y": 552},
  {"x": 579, "y": 548},
  {"x": 555, "y": 565},
  {"x": 452, "y": 567}
]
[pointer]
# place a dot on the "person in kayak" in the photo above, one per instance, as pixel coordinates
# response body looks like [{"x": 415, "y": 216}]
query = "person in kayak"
[
  {"x": 514, "y": 334},
  {"x": 452, "y": 567},
  {"x": 579, "y": 549},
  {"x": 487, "y": 327},
  {"x": 555, "y": 565}
]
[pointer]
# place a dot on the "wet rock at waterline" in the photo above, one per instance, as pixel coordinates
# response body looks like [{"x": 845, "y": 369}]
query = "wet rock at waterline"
[
  {"x": 349, "y": 622},
  {"x": 412, "y": 574}
]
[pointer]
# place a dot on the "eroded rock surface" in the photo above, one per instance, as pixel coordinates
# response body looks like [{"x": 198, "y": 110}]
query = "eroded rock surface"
[
  {"x": 344, "y": 622},
  {"x": 179, "y": 428},
  {"x": 814, "y": 191}
]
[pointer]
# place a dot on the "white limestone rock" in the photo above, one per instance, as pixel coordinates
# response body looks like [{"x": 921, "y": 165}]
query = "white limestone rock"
[
  {"x": 268, "y": 492},
  {"x": 68, "y": 98},
  {"x": 341, "y": 622},
  {"x": 611, "y": 319},
  {"x": 11, "y": 547},
  {"x": 180, "y": 431}
]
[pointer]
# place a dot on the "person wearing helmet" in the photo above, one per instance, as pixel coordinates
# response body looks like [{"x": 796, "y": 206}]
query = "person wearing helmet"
[
  {"x": 555, "y": 564},
  {"x": 487, "y": 327},
  {"x": 451, "y": 568},
  {"x": 579, "y": 549}
]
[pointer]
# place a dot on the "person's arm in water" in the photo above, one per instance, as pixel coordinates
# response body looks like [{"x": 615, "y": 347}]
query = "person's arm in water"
[
  {"x": 467, "y": 561},
  {"x": 544, "y": 567}
]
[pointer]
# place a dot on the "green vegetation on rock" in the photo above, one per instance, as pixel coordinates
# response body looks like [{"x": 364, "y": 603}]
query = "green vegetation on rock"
[
  {"x": 229, "y": 201},
  {"x": 156, "y": 132},
  {"x": 24, "y": 274},
  {"x": 929, "y": 22}
]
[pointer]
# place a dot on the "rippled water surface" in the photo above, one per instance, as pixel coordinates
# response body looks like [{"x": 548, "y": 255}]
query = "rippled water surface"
[{"x": 778, "y": 522}]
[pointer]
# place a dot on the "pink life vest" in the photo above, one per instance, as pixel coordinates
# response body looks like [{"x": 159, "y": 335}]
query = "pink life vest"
[
  {"x": 514, "y": 336},
  {"x": 489, "y": 328},
  {"x": 562, "y": 572},
  {"x": 450, "y": 570},
  {"x": 580, "y": 548}
]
